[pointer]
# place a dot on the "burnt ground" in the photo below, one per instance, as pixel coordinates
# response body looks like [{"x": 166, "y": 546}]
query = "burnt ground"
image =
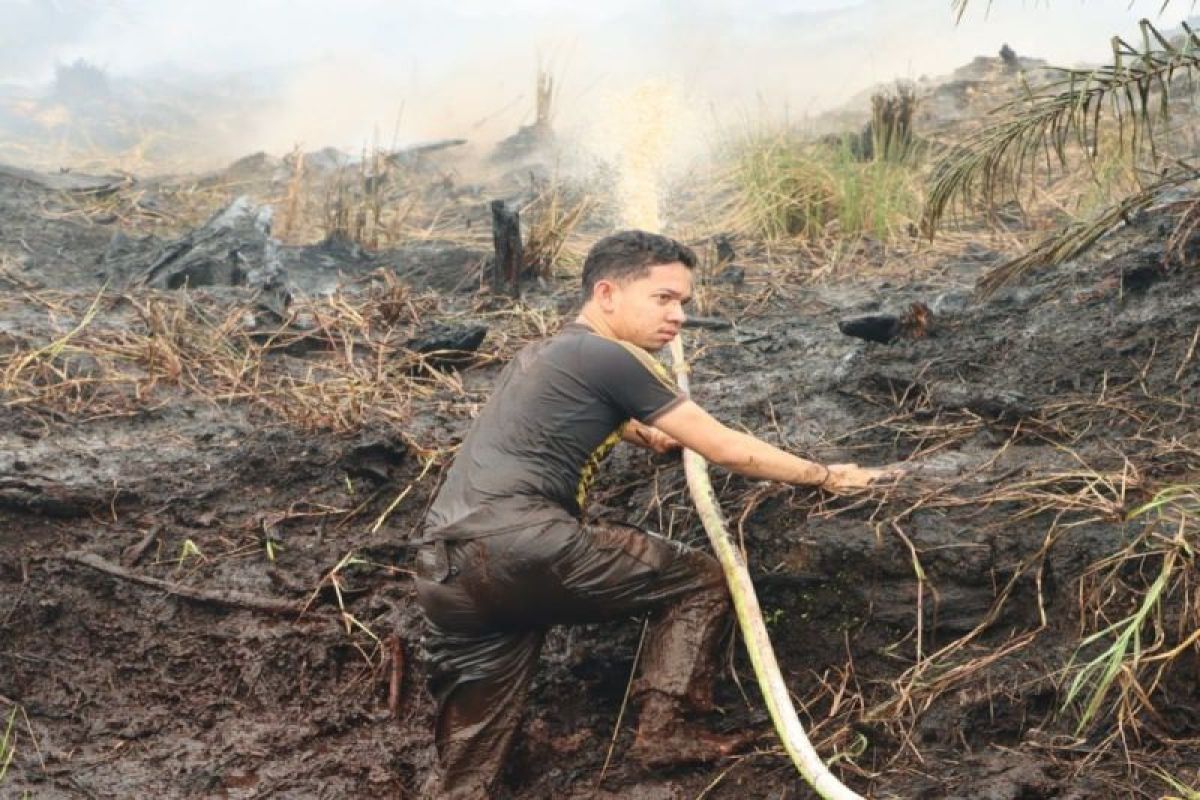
[{"x": 924, "y": 628}]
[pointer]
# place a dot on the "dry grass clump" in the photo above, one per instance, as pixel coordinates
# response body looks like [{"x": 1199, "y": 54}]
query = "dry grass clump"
[
  {"x": 552, "y": 221},
  {"x": 781, "y": 191},
  {"x": 338, "y": 363},
  {"x": 369, "y": 204},
  {"x": 1139, "y": 606}
]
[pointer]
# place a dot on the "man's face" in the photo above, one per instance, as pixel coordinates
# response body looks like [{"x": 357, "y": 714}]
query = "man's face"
[{"x": 648, "y": 311}]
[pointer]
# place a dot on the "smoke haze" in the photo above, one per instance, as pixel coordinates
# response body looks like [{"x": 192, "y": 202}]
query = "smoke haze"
[{"x": 346, "y": 74}]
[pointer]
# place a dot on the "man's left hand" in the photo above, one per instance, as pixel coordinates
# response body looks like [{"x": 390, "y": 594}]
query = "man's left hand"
[{"x": 654, "y": 439}]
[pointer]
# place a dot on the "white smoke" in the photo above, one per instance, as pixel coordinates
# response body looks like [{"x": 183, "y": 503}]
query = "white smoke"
[{"x": 376, "y": 70}]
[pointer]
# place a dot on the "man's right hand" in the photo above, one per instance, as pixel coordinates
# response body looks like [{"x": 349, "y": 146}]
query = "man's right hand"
[{"x": 849, "y": 477}]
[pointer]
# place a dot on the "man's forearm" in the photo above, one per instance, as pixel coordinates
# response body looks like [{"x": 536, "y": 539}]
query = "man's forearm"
[
  {"x": 755, "y": 458},
  {"x": 739, "y": 452}
]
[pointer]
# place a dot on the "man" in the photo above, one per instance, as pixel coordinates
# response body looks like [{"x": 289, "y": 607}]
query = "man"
[{"x": 512, "y": 558}]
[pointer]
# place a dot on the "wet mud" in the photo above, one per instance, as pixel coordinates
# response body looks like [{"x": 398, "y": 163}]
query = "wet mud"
[{"x": 1031, "y": 422}]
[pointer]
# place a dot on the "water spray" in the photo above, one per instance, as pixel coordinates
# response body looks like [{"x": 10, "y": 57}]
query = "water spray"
[{"x": 644, "y": 145}]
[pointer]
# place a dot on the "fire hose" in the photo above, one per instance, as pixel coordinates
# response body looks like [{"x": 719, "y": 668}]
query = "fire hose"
[{"x": 750, "y": 619}]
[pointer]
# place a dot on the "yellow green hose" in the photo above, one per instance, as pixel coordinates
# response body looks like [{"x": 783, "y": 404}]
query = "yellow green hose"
[{"x": 750, "y": 619}]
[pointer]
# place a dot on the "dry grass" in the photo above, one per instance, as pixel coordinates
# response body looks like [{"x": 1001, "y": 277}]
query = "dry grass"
[
  {"x": 291, "y": 204},
  {"x": 357, "y": 368},
  {"x": 1135, "y": 633},
  {"x": 338, "y": 363},
  {"x": 1140, "y": 603},
  {"x": 369, "y": 204},
  {"x": 552, "y": 221},
  {"x": 374, "y": 201}
]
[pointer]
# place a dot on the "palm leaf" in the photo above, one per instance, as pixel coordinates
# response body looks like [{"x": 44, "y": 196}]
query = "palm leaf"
[
  {"x": 1132, "y": 93},
  {"x": 1072, "y": 240}
]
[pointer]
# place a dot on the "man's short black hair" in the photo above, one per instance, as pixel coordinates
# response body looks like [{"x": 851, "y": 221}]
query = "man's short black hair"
[{"x": 629, "y": 255}]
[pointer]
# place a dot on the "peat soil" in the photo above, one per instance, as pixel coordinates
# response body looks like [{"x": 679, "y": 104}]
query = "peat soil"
[{"x": 279, "y": 654}]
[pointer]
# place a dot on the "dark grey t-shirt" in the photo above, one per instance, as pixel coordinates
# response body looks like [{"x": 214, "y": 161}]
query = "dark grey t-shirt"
[{"x": 557, "y": 410}]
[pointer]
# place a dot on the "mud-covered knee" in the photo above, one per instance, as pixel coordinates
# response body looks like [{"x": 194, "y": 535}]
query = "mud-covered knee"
[
  {"x": 711, "y": 574},
  {"x": 719, "y": 595}
]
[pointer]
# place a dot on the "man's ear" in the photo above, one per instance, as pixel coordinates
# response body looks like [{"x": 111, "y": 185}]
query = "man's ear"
[{"x": 602, "y": 295}]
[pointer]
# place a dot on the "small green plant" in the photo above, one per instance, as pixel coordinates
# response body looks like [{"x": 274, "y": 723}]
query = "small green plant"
[
  {"x": 334, "y": 578},
  {"x": 858, "y": 747},
  {"x": 187, "y": 550},
  {"x": 1153, "y": 576}
]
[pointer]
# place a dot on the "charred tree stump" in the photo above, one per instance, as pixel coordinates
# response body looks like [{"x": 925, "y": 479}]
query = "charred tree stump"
[
  {"x": 1009, "y": 57},
  {"x": 506, "y": 236}
]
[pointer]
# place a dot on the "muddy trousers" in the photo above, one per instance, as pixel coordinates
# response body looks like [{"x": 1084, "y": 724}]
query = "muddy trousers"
[{"x": 489, "y": 613}]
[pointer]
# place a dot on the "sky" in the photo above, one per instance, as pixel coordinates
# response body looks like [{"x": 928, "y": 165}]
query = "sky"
[{"x": 466, "y": 67}]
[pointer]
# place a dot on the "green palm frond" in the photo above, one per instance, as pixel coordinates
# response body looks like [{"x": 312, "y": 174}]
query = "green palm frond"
[
  {"x": 1072, "y": 240},
  {"x": 1133, "y": 93}
]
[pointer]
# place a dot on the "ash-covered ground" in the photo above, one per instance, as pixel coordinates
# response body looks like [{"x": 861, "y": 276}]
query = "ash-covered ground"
[{"x": 215, "y": 445}]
